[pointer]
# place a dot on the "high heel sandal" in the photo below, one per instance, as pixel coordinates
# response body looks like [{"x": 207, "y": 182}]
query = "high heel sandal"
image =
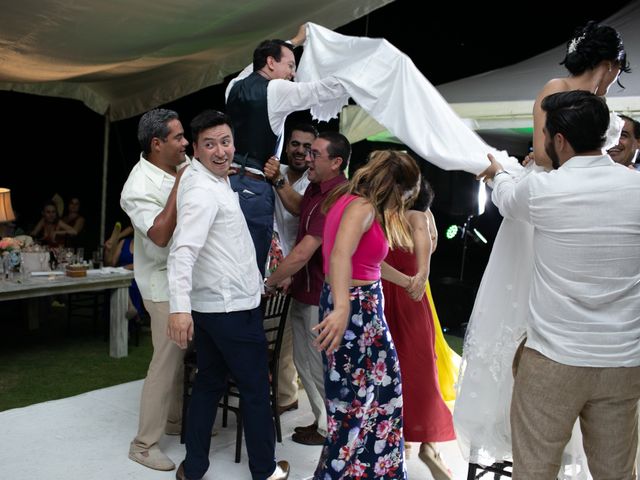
[{"x": 431, "y": 457}]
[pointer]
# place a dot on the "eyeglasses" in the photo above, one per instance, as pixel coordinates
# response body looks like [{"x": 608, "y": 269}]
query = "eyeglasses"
[{"x": 314, "y": 154}]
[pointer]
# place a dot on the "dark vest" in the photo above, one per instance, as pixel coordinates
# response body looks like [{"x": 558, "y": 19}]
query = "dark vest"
[{"x": 252, "y": 135}]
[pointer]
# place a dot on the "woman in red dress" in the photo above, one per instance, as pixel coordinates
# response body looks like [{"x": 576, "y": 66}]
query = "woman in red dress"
[{"x": 427, "y": 419}]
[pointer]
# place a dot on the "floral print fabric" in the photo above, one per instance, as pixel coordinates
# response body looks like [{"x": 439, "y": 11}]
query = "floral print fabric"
[{"x": 364, "y": 395}]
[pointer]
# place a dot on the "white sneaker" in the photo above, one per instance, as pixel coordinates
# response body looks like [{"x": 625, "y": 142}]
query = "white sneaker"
[{"x": 281, "y": 472}]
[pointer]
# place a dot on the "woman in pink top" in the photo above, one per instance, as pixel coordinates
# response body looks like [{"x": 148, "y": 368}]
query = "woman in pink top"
[{"x": 362, "y": 376}]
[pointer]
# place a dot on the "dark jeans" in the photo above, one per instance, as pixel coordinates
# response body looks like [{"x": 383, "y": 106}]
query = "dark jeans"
[
  {"x": 257, "y": 201},
  {"x": 231, "y": 343}
]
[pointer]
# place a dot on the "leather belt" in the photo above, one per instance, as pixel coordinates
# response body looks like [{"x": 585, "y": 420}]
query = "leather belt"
[{"x": 255, "y": 176}]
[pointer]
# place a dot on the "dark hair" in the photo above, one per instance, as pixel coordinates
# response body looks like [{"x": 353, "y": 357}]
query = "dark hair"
[
  {"x": 268, "y": 48},
  {"x": 304, "y": 127},
  {"x": 154, "y": 124},
  {"x": 635, "y": 123},
  {"x": 338, "y": 146},
  {"x": 51, "y": 203},
  {"x": 208, "y": 119},
  {"x": 591, "y": 45},
  {"x": 580, "y": 116},
  {"x": 425, "y": 197}
]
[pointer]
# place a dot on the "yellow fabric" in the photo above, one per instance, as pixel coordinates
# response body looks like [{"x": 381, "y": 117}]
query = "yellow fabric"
[{"x": 448, "y": 361}]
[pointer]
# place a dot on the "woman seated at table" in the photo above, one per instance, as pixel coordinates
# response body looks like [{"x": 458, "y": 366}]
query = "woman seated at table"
[
  {"x": 50, "y": 230},
  {"x": 122, "y": 256}
]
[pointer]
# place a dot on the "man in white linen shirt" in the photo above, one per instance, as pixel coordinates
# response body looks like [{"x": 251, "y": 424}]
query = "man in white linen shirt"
[
  {"x": 216, "y": 289},
  {"x": 149, "y": 198},
  {"x": 582, "y": 353},
  {"x": 259, "y": 100}
]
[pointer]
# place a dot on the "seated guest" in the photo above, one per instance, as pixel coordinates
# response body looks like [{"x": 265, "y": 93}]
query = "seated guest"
[
  {"x": 50, "y": 230},
  {"x": 75, "y": 220},
  {"x": 123, "y": 257}
]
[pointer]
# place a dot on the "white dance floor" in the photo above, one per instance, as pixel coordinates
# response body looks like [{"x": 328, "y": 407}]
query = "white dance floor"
[{"x": 88, "y": 436}]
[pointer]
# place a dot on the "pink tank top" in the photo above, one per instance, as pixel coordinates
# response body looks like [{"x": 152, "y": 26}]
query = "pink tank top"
[{"x": 370, "y": 252}]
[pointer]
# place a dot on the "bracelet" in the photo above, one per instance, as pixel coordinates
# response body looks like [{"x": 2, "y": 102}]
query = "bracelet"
[
  {"x": 500, "y": 172},
  {"x": 268, "y": 288},
  {"x": 279, "y": 183}
]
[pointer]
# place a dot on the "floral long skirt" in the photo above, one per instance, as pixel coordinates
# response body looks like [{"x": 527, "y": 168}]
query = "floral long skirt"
[{"x": 364, "y": 395}]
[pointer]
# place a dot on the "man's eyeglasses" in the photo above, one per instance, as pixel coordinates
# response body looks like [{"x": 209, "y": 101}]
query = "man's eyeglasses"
[{"x": 314, "y": 154}]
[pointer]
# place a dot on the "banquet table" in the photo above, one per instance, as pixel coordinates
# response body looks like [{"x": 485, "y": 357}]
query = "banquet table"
[{"x": 116, "y": 280}]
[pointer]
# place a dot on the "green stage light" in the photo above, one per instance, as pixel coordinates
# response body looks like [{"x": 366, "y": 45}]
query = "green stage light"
[{"x": 451, "y": 232}]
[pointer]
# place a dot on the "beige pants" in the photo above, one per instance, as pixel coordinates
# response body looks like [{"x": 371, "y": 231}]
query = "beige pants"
[
  {"x": 161, "y": 400},
  {"x": 307, "y": 359},
  {"x": 287, "y": 373},
  {"x": 547, "y": 399}
]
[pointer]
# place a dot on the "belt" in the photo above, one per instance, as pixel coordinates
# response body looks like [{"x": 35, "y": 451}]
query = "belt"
[{"x": 255, "y": 176}]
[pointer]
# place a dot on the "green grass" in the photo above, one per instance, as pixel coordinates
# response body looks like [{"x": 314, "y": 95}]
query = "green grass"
[
  {"x": 54, "y": 362},
  {"x": 454, "y": 342},
  {"x": 51, "y": 362}
]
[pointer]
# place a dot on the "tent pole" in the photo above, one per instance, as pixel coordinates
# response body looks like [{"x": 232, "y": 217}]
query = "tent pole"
[{"x": 105, "y": 158}]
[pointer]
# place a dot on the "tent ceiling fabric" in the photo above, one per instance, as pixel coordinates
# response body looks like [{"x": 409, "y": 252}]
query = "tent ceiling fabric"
[
  {"x": 503, "y": 98},
  {"x": 127, "y": 56}
]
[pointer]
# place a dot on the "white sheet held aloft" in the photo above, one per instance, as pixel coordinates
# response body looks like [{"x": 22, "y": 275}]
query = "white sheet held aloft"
[{"x": 388, "y": 86}]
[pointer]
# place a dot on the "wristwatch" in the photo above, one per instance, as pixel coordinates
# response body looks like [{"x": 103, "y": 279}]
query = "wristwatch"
[{"x": 279, "y": 183}]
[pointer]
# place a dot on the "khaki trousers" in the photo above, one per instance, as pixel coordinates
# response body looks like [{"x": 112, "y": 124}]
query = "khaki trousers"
[
  {"x": 161, "y": 400},
  {"x": 547, "y": 399},
  {"x": 287, "y": 373}
]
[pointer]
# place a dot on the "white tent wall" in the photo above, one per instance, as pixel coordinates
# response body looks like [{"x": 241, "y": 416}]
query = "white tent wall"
[{"x": 503, "y": 98}]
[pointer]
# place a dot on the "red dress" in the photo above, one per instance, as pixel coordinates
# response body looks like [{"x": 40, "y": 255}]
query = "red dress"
[{"x": 426, "y": 417}]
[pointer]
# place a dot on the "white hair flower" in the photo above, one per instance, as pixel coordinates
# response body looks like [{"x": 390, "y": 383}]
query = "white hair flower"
[{"x": 574, "y": 43}]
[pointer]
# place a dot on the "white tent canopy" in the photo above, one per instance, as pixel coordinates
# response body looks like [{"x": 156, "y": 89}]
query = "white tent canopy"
[{"x": 123, "y": 57}]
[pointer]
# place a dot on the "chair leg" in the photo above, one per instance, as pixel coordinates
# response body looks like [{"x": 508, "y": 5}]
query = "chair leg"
[
  {"x": 276, "y": 418},
  {"x": 471, "y": 474},
  {"x": 225, "y": 409},
  {"x": 186, "y": 397},
  {"x": 238, "y": 436}
]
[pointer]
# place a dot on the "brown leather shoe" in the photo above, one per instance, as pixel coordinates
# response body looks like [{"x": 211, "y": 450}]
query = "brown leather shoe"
[
  {"x": 311, "y": 437},
  {"x": 281, "y": 472},
  {"x": 309, "y": 428},
  {"x": 286, "y": 408},
  {"x": 180, "y": 473}
]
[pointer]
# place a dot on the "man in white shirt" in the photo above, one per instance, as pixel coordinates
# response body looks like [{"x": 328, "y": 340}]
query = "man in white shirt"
[
  {"x": 292, "y": 175},
  {"x": 215, "y": 292},
  {"x": 582, "y": 354},
  {"x": 149, "y": 198},
  {"x": 259, "y": 100},
  {"x": 626, "y": 151}
]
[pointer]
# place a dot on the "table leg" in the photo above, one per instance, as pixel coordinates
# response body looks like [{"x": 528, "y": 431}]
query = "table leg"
[
  {"x": 33, "y": 313},
  {"x": 118, "y": 328}
]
